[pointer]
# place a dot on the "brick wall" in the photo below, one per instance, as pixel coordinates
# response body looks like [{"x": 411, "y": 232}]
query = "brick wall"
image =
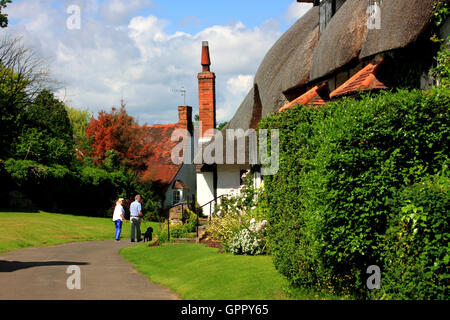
[{"x": 185, "y": 118}]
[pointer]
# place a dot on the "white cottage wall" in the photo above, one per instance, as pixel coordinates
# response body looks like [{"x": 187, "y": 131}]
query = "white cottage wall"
[
  {"x": 228, "y": 178},
  {"x": 205, "y": 189}
]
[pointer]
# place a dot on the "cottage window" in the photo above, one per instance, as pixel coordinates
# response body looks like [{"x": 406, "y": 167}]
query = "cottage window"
[
  {"x": 328, "y": 9},
  {"x": 177, "y": 196}
]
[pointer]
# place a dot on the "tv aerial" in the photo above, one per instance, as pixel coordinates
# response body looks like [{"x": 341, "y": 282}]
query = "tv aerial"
[{"x": 182, "y": 90}]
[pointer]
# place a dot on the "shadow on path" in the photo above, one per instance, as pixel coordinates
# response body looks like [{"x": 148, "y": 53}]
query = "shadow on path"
[{"x": 11, "y": 266}]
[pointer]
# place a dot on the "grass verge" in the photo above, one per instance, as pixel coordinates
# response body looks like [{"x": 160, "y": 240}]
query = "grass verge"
[{"x": 196, "y": 272}]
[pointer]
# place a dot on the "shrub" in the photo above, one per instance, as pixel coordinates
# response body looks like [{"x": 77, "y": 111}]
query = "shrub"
[
  {"x": 250, "y": 241},
  {"x": 4, "y": 177},
  {"x": 176, "y": 231},
  {"x": 224, "y": 229},
  {"x": 417, "y": 252},
  {"x": 239, "y": 201},
  {"x": 49, "y": 187},
  {"x": 190, "y": 223},
  {"x": 441, "y": 72},
  {"x": 240, "y": 233},
  {"x": 245, "y": 243},
  {"x": 341, "y": 167},
  {"x": 150, "y": 205},
  {"x": 238, "y": 214},
  {"x": 163, "y": 236}
]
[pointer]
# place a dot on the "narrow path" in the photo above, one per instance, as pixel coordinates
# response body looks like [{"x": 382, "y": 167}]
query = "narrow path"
[{"x": 40, "y": 274}]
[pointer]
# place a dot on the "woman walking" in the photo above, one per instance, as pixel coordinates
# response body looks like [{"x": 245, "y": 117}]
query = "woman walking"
[{"x": 119, "y": 217}]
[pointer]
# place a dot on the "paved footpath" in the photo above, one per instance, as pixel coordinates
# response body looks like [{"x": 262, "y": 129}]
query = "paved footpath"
[{"x": 40, "y": 274}]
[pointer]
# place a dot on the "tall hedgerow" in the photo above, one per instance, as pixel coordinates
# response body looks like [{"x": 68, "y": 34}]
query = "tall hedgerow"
[
  {"x": 341, "y": 169},
  {"x": 416, "y": 252}
]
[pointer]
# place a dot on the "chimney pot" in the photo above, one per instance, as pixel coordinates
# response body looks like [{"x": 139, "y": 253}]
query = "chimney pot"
[{"x": 206, "y": 61}]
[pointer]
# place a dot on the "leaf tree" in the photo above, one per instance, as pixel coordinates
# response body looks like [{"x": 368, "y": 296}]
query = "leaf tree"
[
  {"x": 22, "y": 77},
  {"x": 116, "y": 130},
  {"x": 3, "y": 16},
  {"x": 46, "y": 135}
]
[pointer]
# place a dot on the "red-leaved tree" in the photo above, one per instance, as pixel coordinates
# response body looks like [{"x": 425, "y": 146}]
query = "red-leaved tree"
[{"x": 118, "y": 131}]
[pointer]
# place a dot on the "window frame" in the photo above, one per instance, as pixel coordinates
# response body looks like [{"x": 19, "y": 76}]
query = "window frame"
[{"x": 177, "y": 193}]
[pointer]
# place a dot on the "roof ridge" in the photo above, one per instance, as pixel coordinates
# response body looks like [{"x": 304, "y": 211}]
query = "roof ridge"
[{"x": 160, "y": 125}]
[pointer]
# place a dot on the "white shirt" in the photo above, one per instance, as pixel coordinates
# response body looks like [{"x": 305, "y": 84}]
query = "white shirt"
[{"x": 119, "y": 210}]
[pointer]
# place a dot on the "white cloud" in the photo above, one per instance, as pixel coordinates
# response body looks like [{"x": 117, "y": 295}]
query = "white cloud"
[
  {"x": 139, "y": 60},
  {"x": 120, "y": 11},
  {"x": 296, "y": 10},
  {"x": 236, "y": 90},
  {"x": 240, "y": 84}
]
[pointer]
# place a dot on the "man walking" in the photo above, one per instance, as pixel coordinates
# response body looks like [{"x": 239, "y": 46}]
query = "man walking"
[{"x": 135, "y": 218}]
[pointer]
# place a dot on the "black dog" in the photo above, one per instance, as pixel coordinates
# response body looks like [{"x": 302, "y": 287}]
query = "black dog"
[{"x": 148, "y": 234}]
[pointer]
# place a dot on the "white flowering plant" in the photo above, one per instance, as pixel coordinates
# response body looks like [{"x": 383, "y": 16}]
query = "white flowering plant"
[
  {"x": 250, "y": 241},
  {"x": 240, "y": 225}
]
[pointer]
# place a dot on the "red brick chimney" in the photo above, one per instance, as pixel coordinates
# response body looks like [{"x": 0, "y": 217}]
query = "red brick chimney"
[
  {"x": 207, "y": 94},
  {"x": 185, "y": 118}
]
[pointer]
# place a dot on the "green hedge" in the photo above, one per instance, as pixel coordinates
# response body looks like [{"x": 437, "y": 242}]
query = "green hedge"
[
  {"x": 417, "y": 244},
  {"x": 342, "y": 167},
  {"x": 29, "y": 182},
  {"x": 86, "y": 191}
]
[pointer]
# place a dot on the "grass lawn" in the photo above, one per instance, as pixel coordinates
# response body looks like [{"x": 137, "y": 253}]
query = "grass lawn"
[
  {"x": 20, "y": 230},
  {"x": 196, "y": 272}
]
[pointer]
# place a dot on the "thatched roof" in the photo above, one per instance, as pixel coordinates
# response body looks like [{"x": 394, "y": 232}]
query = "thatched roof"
[
  {"x": 288, "y": 62},
  {"x": 341, "y": 41},
  {"x": 300, "y": 58},
  {"x": 404, "y": 22},
  {"x": 348, "y": 37}
]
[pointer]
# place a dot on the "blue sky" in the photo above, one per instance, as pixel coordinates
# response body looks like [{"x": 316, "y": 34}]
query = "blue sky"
[
  {"x": 142, "y": 49},
  {"x": 204, "y": 13},
  {"x": 193, "y": 16}
]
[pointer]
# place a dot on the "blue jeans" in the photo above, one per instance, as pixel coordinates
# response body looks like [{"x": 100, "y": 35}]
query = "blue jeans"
[{"x": 118, "y": 224}]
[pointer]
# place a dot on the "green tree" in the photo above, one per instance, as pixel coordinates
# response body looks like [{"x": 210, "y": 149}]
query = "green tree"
[
  {"x": 22, "y": 77},
  {"x": 12, "y": 96},
  {"x": 47, "y": 135},
  {"x": 80, "y": 121},
  {"x": 3, "y": 16},
  {"x": 221, "y": 125}
]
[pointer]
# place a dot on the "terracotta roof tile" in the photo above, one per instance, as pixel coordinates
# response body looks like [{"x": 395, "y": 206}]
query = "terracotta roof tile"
[
  {"x": 316, "y": 96},
  {"x": 365, "y": 79},
  {"x": 161, "y": 169}
]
